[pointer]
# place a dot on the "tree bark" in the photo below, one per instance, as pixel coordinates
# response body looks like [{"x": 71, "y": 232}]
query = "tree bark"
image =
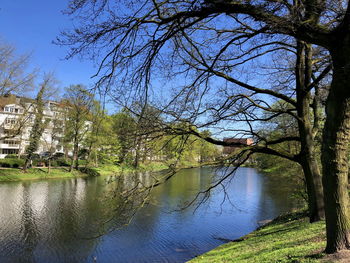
[
  {"x": 336, "y": 137},
  {"x": 308, "y": 159},
  {"x": 75, "y": 163},
  {"x": 314, "y": 187},
  {"x": 49, "y": 166}
]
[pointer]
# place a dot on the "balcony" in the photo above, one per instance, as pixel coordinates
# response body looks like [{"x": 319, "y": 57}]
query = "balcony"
[{"x": 9, "y": 146}]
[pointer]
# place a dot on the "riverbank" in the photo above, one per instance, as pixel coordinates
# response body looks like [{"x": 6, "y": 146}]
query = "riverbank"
[
  {"x": 16, "y": 174},
  {"x": 288, "y": 238}
]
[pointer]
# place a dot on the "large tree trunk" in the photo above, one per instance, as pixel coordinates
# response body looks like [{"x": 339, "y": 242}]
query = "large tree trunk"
[
  {"x": 75, "y": 162},
  {"x": 49, "y": 166},
  {"x": 335, "y": 161},
  {"x": 137, "y": 157},
  {"x": 313, "y": 181},
  {"x": 308, "y": 159}
]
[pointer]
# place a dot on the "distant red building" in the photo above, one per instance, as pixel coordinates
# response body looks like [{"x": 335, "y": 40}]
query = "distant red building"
[{"x": 241, "y": 142}]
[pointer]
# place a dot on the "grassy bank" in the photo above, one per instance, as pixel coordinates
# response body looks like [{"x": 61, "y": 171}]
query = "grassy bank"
[
  {"x": 13, "y": 174},
  {"x": 289, "y": 238},
  {"x": 16, "y": 174}
]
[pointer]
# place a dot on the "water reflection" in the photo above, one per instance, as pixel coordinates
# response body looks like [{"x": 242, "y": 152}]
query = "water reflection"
[{"x": 54, "y": 221}]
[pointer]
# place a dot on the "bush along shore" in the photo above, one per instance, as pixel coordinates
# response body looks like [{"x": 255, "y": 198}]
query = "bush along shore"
[{"x": 288, "y": 238}]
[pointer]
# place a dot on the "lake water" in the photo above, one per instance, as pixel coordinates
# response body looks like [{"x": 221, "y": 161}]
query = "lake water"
[{"x": 81, "y": 220}]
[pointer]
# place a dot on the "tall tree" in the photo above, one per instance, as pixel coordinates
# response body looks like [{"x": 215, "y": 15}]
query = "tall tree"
[
  {"x": 13, "y": 76},
  {"x": 139, "y": 37},
  {"x": 39, "y": 123},
  {"x": 124, "y": 126},
  {"x": 79, "y": 102}
]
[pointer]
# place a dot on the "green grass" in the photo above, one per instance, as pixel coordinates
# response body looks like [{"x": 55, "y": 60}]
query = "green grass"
[
  {"x": 290, "y": 238},
  {"x": 108, "y": 169},
  {"x": 154, "y": 166},
  {"x": 12, "y": 174}
]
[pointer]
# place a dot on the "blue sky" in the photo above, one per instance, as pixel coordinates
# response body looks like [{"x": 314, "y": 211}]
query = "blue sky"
[{"x": 31, "y": 26}]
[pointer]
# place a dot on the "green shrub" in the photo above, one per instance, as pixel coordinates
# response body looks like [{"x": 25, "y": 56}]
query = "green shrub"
[
  {"x": 11, "y": 156},
  {"x": 6, "y": 165},
  {"x": 82, "y": 162},
  {"x": 14, "y": 163},
  {"x": 89, "y": 171},
  {"x": 58, "y": 155},
  {"x": 60, "y": 162}
]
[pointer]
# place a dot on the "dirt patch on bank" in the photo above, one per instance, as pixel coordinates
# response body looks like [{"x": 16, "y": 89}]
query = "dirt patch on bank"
[{"x": 342, "y": 256}]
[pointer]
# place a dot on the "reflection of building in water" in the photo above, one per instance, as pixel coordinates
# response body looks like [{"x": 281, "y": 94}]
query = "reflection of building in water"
[
  {"x": 136, "y": 180},
  {"x": 251, "y": 182},
  {"x": 51, "y": 214},
  {"x": 237, "y": 143}
]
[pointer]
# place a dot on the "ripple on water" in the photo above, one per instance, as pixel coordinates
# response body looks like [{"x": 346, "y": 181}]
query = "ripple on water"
[{"x": 50, "y": 221}]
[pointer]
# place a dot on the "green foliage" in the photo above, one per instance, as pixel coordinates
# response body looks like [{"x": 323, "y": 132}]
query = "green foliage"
[
  {"x": 279, "y": 127},
  {"x": 102, "y": 141},
  {"x": 124, "y": 128},
  {"x": 8, "y": 175},
  {"x": 11, "y": 163},
  {"x": 60, "y": 162},
  {"x": 187, "y": 150},
  {"x": 89, "y": 171},
  {"x": 38, "y": 126},
  {"x": 77, "y": 125},
  {"x": 128, "y": 139},
  {"x": 11, "y": 156},
  {"x": 277, "y": 166}
]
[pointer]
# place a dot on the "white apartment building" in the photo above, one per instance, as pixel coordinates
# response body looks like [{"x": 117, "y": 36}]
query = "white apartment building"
[{"x": 16, "y": 121}]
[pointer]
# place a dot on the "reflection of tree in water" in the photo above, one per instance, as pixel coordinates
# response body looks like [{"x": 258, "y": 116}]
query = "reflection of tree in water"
[
  {"x": 71, "y": 206},
  {"x": 29, "y": 229},
  {"x": 63, "y": 220},
  {"x": 273, "y": 188},
  {"x": 172, "y": 190},
  {"x": 125, "y": 195}
]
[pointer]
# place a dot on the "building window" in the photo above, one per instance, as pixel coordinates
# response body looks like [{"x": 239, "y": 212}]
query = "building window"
[
  {"x": 10, "y": 121},
  {"x": 9, "y": 151},
  {"x": 11, "y": 142},
  {"x": 13, "y": 110}
]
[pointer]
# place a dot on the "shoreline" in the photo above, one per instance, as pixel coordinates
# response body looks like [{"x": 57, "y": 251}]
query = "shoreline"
[
  {"x": 17, "y": 174},
  {"x": 41, "y": 173}
]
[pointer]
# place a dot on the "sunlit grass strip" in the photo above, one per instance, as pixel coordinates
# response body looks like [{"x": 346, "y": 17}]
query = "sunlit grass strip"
[
  {"x": 287, "y": 239},
  {"x": 12, "y": 174}
]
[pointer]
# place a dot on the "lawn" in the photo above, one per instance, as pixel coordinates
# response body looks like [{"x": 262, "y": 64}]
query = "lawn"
[
  {"x": 16, "y": 174},
  {"x": 289, "y": 238},
  {"x": 13, "y": 174}
]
